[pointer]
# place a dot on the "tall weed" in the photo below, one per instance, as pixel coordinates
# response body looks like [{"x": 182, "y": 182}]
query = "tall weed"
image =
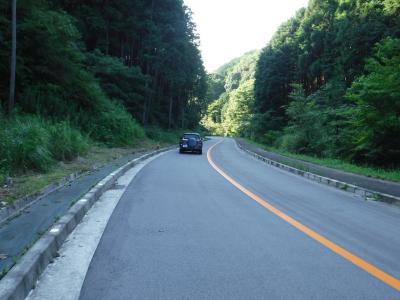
[
  {"x": 66, "y": 142},
  {"x": 31, "y": 143},
  {"x": 24, "y": 144},
  {"x": 112, "y": 125}
]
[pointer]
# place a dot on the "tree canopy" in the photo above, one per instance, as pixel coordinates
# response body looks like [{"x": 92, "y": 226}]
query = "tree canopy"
[
  {"x": 326, "y": 84},
  {"x": 231, "y": 97},
  {"x": 77, "y": 59}
]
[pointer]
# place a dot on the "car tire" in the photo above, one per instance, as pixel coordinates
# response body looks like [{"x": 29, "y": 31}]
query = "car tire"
[
  {"x": 200, "y": 152},
  {"x": 180, "y": 151}
]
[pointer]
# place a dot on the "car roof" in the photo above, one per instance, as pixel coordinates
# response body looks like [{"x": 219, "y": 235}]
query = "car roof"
[{"x": 188, "y": 133}]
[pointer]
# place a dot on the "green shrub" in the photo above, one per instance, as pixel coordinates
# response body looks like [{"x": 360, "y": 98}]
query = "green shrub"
[
  {"x": 113, "y": 126},
  {"x": 270, "y": 137},
  {"x": 3, "y": 176},
  {"x": 163, "y": 136},
  {"x": 66, "y": 142},
  {"x": 25, "y": 144},
  {"x": 100, "y": 118},
  {"x": 292, "y": 142},
  {"x": 32, "y": 143},
  {"x": 160, "y": 135}
]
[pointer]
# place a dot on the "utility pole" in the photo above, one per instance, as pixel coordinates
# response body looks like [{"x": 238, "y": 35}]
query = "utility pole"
[{"x": 11, "y": 100}]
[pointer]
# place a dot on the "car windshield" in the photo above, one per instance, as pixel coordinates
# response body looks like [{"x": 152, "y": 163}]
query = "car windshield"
[{"x": 188, "y": 136}]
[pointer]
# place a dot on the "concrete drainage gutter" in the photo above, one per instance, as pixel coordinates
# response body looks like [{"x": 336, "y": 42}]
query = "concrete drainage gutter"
[
  {"x": 24, "y": 275},
  {"x": 9, "y": 212},
  {"x": 363, "y": 192}
]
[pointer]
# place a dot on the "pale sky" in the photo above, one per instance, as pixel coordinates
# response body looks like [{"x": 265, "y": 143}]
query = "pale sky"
[{"x": 230, "y": 28}]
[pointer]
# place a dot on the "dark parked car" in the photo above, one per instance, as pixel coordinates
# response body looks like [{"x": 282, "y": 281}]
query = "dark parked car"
[{"x": 191, "y": 142}]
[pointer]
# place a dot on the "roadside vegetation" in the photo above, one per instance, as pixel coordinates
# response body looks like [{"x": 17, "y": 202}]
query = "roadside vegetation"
[
  {"x": 94, "y": 76},
  {"x": 325, "y": 89},
  {"x": 35, "y": 150},
  {"x": 43, "y": 166},
  {"x": 369, "y": 171},
  {"x": 32, "y": 143}
]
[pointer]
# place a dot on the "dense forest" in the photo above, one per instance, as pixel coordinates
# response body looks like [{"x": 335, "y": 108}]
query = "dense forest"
[
  {"x": 230, "y": 93},
  {"x": 327, "y": 85},
  {"x": 95, "y": 71}
]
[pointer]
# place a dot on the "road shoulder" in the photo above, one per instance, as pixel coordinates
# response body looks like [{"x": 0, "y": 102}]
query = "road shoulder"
[
  {"x": 64, "y": 277},
  {"x": 22, "y": 277},
  {"x": 369, "y": 188}
]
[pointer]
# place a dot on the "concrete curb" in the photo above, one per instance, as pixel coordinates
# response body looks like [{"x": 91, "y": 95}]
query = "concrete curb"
[
  {"x": 24, "y": 275},
  {"x": 363, "y": 192}
]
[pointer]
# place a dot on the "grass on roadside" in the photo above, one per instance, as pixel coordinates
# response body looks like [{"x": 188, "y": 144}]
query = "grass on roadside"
[
  {"x": 33, "y": 181},
  {"x": 73, "y": 152},
  {"x": 392, "y": 175}
]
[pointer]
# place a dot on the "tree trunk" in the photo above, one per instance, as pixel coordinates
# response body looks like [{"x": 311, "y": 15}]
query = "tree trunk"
[
  {"x": 154, "y": 93},
  {"x": 107, "y": 39},
  {"x": 122, "y": 49},
  {"x": 183, "y": 107},
  {"x": 170, "y": 112},
  {"x": 147, "y": 96},
  {"x": 152, "y": 10},
  {"x": 183, "y": 118},
  {"x": 11, "y": 100}
]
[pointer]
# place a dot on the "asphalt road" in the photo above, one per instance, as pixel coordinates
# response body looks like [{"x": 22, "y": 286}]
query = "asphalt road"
[{"x": 183, "y": 231}]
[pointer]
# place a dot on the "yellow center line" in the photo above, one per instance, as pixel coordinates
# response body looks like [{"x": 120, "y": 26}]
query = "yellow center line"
[{"x": 369, "y": 268}]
